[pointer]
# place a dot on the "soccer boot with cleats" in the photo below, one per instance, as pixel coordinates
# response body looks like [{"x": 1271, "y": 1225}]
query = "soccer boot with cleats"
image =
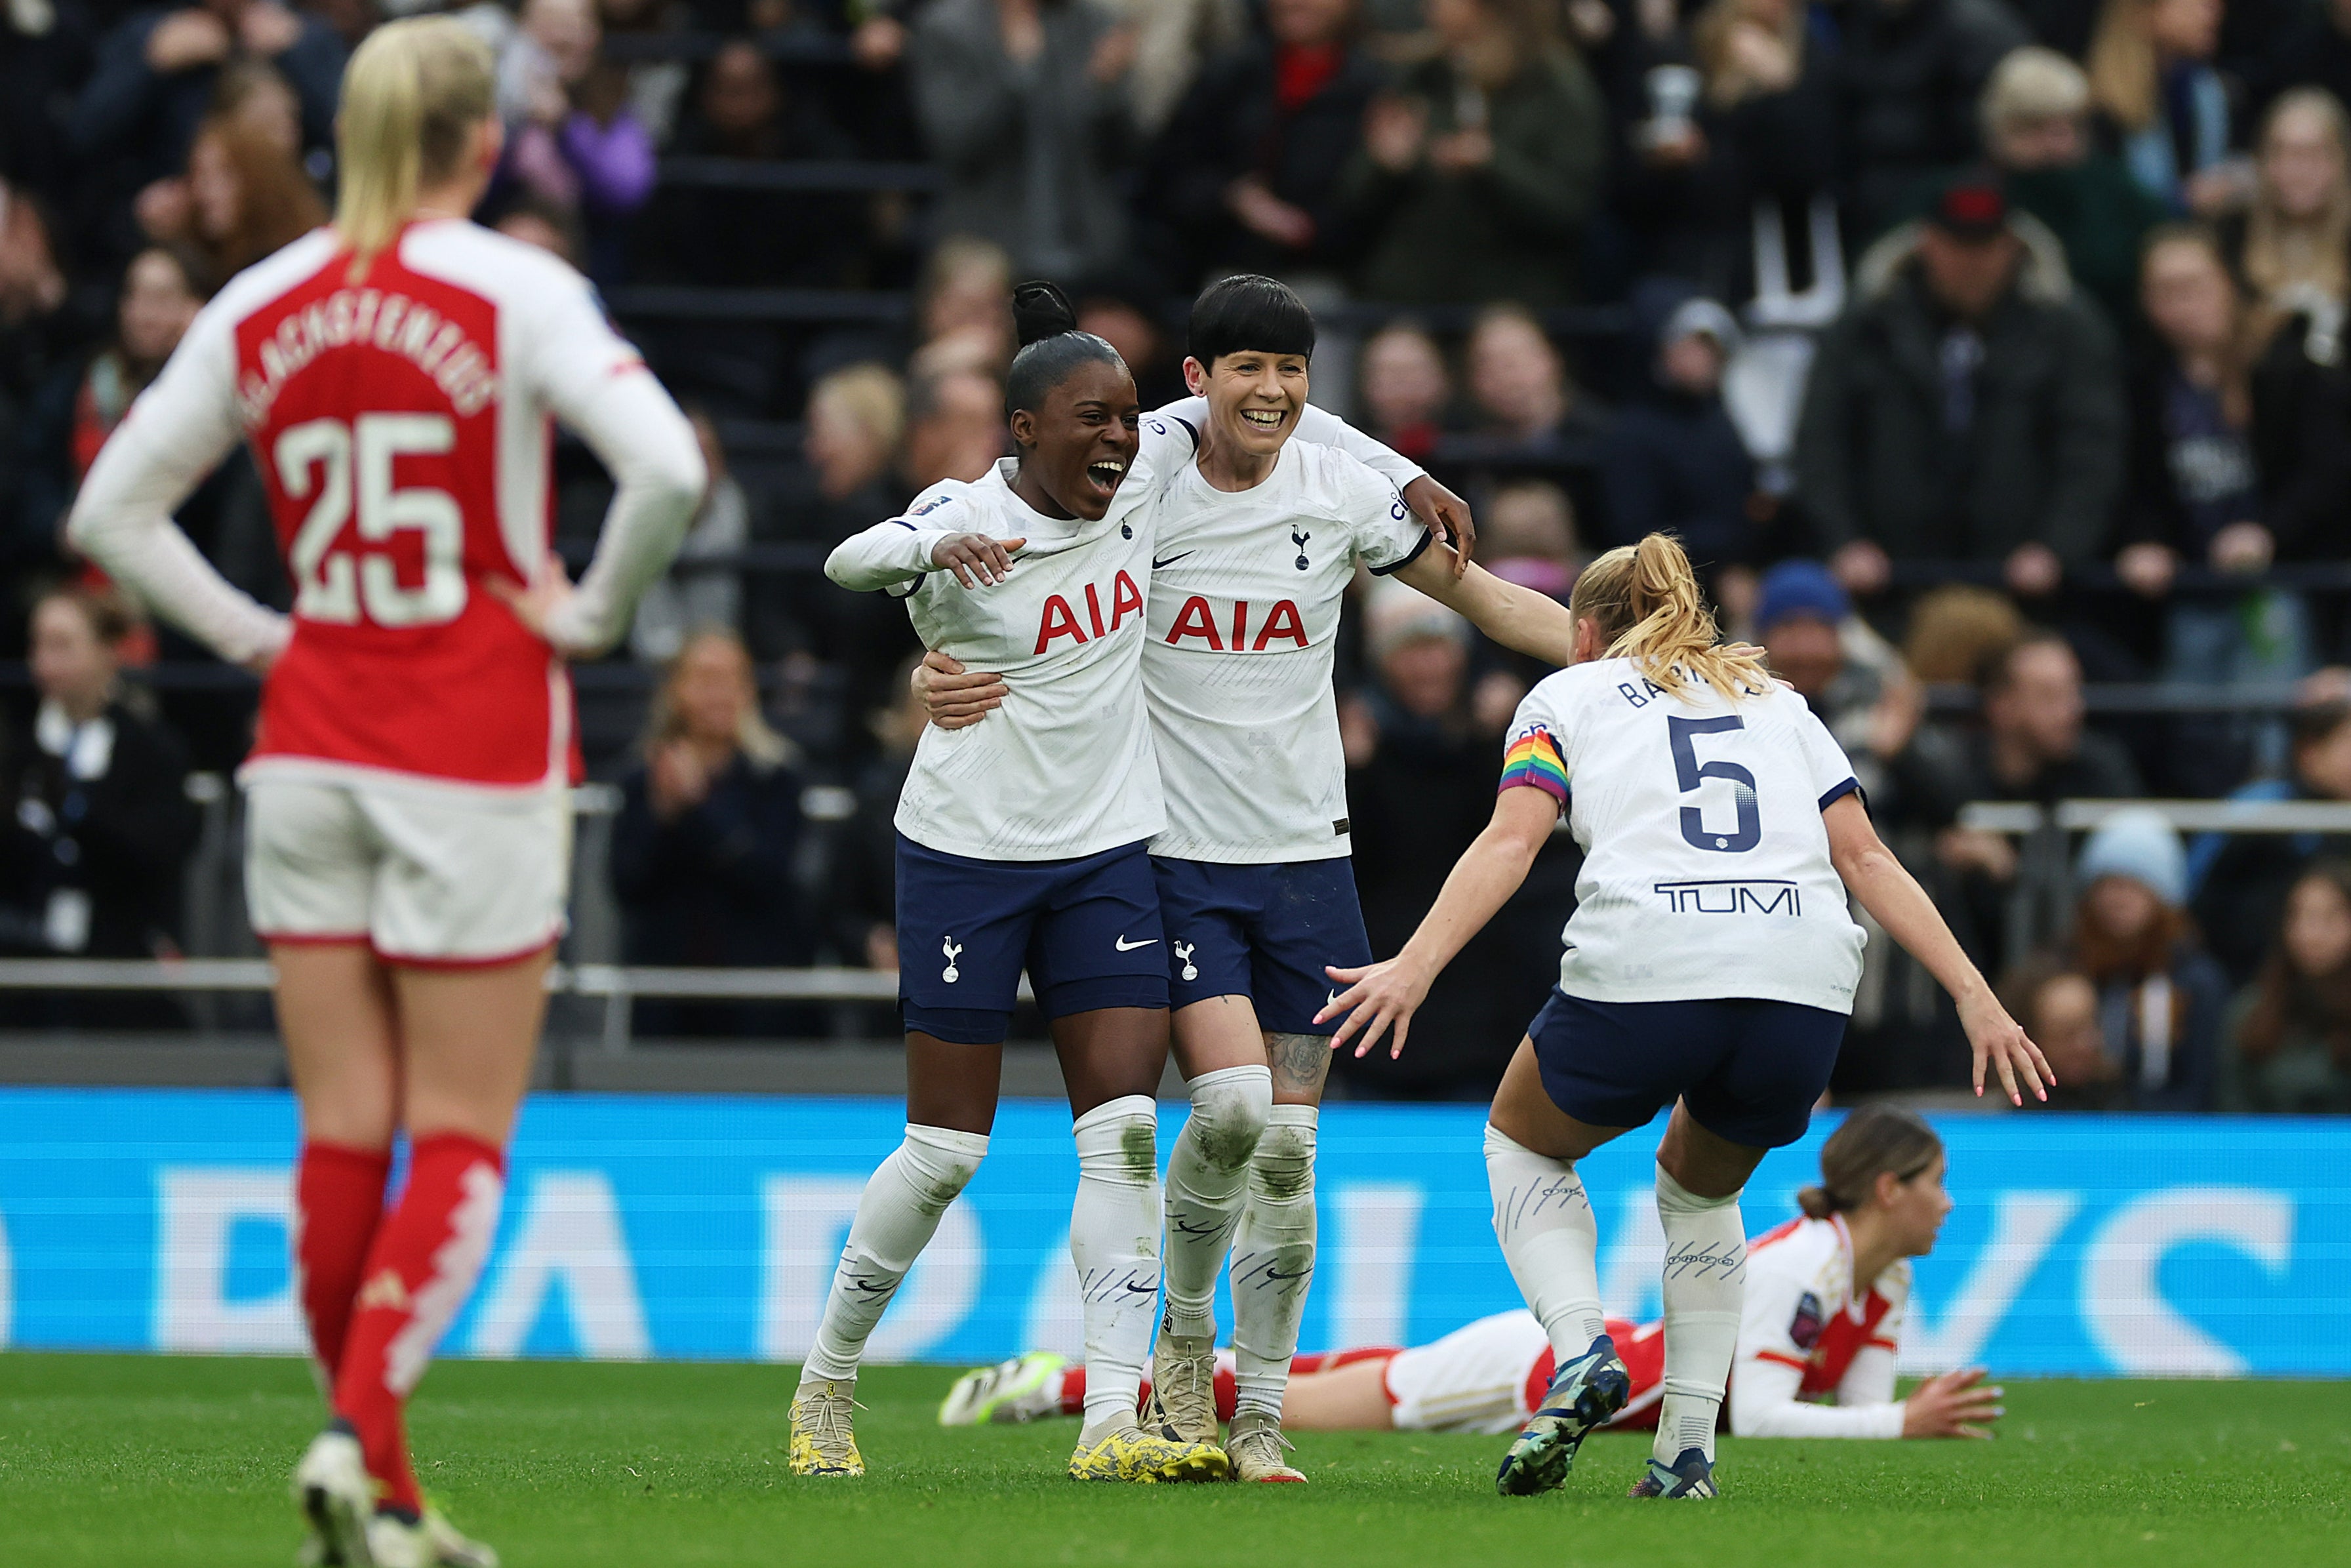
[
  {"x": 1184, "y": 1386},
  {"x": 337, "y": 1496},
  {"x": 1026, "y": 1388},
  {"x": 450, "y": 1547},
  {"x": 824, "y": 1431},
  {"x": 1140, "y": 1456},
  {"x": 1691, "y": 1475},
  {"x": 1256, "y": 1446},
  {"x": 1582, "y": 1396}
]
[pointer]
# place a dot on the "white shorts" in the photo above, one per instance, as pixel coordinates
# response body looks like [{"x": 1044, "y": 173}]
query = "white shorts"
[
  {"x": 1473, "y": 1380},
  {"x": 424, "y": 875}
]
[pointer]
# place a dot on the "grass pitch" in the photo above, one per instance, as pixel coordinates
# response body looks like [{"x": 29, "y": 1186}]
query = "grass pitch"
[{"x": 147, "y": 1460}]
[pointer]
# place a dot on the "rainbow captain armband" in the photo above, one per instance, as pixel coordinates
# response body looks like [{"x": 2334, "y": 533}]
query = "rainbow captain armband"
[{"x": 1534, "y": 760}]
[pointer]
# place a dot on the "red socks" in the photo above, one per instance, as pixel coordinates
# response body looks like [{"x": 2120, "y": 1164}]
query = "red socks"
[
  {"x": 338, "y": 1199},
  {"x": 426, "y": 1256}
]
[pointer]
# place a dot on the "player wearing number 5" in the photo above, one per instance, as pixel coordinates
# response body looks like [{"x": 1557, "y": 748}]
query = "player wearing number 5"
[
  {"x": 409, "y": 830},
  {"x": 1710, "y": 967}
]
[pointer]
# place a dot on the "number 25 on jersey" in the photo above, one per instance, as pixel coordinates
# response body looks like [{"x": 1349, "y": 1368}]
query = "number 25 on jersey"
[{"x": 348, "y": 469}]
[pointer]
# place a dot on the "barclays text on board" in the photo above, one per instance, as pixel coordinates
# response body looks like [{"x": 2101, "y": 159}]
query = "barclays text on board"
[{"x": 699, "y": 1228}]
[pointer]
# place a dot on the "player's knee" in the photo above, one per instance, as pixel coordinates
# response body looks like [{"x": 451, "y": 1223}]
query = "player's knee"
[
  {"x": 1118, "y": 1141},
  {"x": 1229, "y": 1109},
  {"x": 938, "y": 1163},
  {"x": 1673, "y": 1197},
  {"x": 1282, "y": 1169}
]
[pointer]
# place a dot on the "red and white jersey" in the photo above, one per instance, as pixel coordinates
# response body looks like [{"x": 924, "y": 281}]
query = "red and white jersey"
[{"x": 402, "y": 425}]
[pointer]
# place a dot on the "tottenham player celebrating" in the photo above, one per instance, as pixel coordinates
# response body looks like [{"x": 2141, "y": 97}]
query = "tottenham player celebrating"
[
  {"x": 1710, "y": 965},
  {"x": 1258, "y": 541},
  {"x": 407, "y": 852},
  {"x": 1825, "y": 1300}
]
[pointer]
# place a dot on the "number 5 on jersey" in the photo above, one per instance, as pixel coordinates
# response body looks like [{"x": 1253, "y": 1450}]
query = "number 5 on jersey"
[
  {"x": 1692, "y": 773},
  {"x": 348, "y": 468}
]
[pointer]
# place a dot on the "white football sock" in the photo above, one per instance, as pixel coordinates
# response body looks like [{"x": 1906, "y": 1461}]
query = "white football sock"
[
  {"x": 1113, "y": 1240},
  {"x": 1705, "y": 1284},
  {"x": 1274, "y": 1259},
  {"x": 1543, "y": 1220},
  {"x": 896, "y": 1216},
  {"x": 1207, "y": 1175}
]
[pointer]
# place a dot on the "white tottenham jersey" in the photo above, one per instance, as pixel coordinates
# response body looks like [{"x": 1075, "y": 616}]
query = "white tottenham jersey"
[
  {"x": 1246, "y": 592},
  {"x": 1065, "y": 767},
  {"x": 1707, "y": 870}
]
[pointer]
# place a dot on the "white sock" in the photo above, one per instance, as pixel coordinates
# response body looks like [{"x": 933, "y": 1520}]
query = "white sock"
[
  {"x": 1543, "y": 1220},
  {"x": 1705, "y": 1284},
  {"x": 1113, "y": 1240},
  {"x": 1274, "y": 1259},
  {"x": 1207, "y": 1175},
  {"x": 896, "y": 1217}
]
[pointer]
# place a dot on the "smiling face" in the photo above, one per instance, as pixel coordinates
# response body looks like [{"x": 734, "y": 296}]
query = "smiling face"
[
  {"x": 1077, "y": 448},
  {"x": 1254, "y": 398}
]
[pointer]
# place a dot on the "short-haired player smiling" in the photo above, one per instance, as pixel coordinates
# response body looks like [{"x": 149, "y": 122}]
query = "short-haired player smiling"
[{"x": 1258, "y": 538}]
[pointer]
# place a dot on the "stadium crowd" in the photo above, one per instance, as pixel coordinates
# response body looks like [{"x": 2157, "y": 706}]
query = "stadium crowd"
[{"x": 1978, "y": 351}]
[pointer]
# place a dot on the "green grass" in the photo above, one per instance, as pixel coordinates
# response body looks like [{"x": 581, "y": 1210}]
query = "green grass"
[{"x": 142, "y": 1460}]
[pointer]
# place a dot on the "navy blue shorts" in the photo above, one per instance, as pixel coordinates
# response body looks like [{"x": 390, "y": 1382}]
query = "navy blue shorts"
[
  {"x": 1751, "y": 1070},
  {"x": 1087, "y": 930},
  {"x": 1263, "y": 932}
]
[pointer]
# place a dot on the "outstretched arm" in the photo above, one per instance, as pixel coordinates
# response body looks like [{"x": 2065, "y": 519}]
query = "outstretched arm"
[
  {"x": 1481, "y": 882},
  {"x": 1896, "y": 901},
  {"x": 1517, "y": 618}
]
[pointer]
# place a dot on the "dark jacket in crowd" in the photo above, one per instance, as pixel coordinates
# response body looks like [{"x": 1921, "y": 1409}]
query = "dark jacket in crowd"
[
  {"x": 2304, "y": 1076},
  {"x": 1675, "y": 462},
  {"x": 1509, "y": 231},
  {"x": 2181, "y": 1074},
  {"x": 98, "y": 835},
  {"x": 712, "y": 887},
  {"x": 1912, "y": 73},
  {"x": 1232, "y": 123},
  {"x": 2101, "y": 215},
  {"x": 2238, "y": 883},
  {"x": 1944, "y": 767},
  {"x": 2301, "y": 460},
  {"x": 2041, "y": 460}
]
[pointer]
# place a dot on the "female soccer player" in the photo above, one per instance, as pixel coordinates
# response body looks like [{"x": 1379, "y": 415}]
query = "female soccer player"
[
  {"x": 1827, "y": 1295},
  {"x": 1711, "y": 966},
  {"x": 409, "y": 830}
]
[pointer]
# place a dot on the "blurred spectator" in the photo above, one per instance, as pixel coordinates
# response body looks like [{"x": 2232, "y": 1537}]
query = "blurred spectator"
[
  {"x": 2036, "y": 120},
  {"x": 1477, "y": 177},
  {"x": 1528, "y": 537},
  {"x": 1954, "y": 628},
  {"x": 2291, "y": 1035},
  {"x": 2239, "y": 881},
  {"x": 2164, "y": 105},
  {"x": 1405, "y": 387},
  {"x": 963, "y": 309},
  {"x": 1763, "y": 128},
  {"x": 1420, "y": 783},
  {"x": 1123, "y": 310},
  {"x": 1520, "y": 393},
  {"x": 1676, "y": 463},
  {"x": 1912, "y": 73},
  {"x": 80, "y": 405},
  {"x": 1247, "y": 174},
  {"x": 1966, "y": 407},
  {"x": 99, "y": 823},
  {"x": 2312, "y": 49},
  {"x": 138, "y": 115},
  {"x": 45, "y": 55},
  {"x": 245, "y": 197},
  {"x": 695, "y": 596},
  {"x": 2161, "y": 998},
  {"x": 1173, "y": 39},
  {"x": 543, "y": 224},
  {"x": 2058, "y": 1005},
  {"x": 571, "y": 138},
  {"x": 33, "y": 292},
  {"x": 865, "y": 877},
  {"x": 1845, "y": 672},
  {"x": 704, "y": 841},
  {"x": 1022, "y": 104},
  {"x": 656, "y": 87},
  {"x": 2238, "y": 459},
  {"x": 2293, "y": 244},
  {"x": 857, "y": 419},
  {"x": 741, "y": 110},
  {"x": 955, "y": 429}
]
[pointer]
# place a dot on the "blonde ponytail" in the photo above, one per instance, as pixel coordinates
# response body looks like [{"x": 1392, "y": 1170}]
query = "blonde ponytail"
[
  {"x": 412, "y": 96},
  {"x": 1645, "y": 598}
]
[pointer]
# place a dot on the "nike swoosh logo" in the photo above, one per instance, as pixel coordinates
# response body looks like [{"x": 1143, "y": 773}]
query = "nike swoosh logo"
[
  {"x": 1124, "y": 945},
  {"x": 1172, "y": 559}
]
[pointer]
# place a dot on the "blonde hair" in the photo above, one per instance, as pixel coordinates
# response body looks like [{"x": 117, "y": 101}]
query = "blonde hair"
[
  {"x": 2031, "y": 85},
  {"x": 412, "y": 96},
  {"x": 1645, "y": 598},
  {"x": 1953, "y": 627},
  {"x": 2122, "y": 64},
  {"x": 871, "y": 397},
  {"x": 756, "y": 739},
  {"x": 2282, "y": 254}
]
